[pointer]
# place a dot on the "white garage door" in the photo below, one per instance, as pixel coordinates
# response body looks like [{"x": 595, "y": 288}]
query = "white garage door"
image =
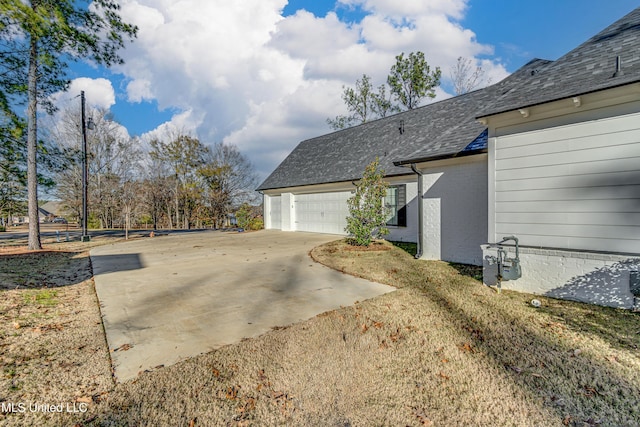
[
  {"x": 322, "y": 212},
  {"x": 275, "y": 212}
]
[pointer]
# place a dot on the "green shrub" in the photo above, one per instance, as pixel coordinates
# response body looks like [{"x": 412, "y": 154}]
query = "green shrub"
[
  {"x": 367, "y": 214},
  {"x": 256, "y": 224},
  {"x": 247, "y": 218},
  {"x": 94, "y": 221},
  {"x": 3, "y": 228},
  {"x": 243, "y": 216}
]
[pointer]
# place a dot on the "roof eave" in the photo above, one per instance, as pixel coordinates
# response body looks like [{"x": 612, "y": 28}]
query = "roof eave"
[
  {"x": 495, "y": 113},
  {"x": 405, "y": 163},
  {"x": 392, "y": 175}
]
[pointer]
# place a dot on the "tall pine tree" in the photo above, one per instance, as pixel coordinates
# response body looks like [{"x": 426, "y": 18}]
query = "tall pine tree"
[{"x": 38, "y": 40}]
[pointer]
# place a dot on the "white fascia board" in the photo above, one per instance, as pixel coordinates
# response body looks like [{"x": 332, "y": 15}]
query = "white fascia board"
[
  {"x": 623, "y": 96},
  {"x": 452, "y": 161}
]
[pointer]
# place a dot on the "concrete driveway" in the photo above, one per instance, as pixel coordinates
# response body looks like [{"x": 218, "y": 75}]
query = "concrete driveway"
[{"x": 167, "y": 298}]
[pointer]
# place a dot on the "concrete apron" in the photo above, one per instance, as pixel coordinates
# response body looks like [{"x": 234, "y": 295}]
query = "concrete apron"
[{"x": 168, "y": 298}]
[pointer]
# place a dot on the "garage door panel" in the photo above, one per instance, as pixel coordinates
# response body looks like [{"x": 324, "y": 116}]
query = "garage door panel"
[{"x": 322, "y": 212}]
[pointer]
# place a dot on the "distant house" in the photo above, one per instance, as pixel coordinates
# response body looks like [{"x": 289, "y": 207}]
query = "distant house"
[
  {"x": 56, "y": 208},
  {"x": 551, "y": 154},
  {"x": 43, "y": 215}
]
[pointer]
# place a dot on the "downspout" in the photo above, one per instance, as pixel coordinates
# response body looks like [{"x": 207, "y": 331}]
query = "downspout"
[{"x": 420, "y": 209}]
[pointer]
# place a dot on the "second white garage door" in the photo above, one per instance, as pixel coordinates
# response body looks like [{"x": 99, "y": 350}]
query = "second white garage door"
[{"x": 322, "y": 212}]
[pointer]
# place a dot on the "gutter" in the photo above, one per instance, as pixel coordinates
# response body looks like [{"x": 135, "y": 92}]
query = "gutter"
[
  {"x": 420, "y": 210},
  {"x": 490, "y": 113},
  {"x": 441, "y": 157}
]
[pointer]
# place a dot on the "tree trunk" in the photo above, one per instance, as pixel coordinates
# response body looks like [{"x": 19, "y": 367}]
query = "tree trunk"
[
  {"x": 126, "y": 224},
  {"x": 32, "y": 149}
]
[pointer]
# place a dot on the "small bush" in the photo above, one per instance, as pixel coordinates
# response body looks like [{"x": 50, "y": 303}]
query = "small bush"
[
  {"x": 94, "y": 221},
  {"x": 3, "y": 228},
  {"x": 256, "y": 224},
  {"x": 367, "y": 214},
  {"x": 248, "y": 219}
]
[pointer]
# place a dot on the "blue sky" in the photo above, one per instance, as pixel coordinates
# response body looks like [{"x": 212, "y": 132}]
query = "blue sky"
[{"x": 265, "y": 74}]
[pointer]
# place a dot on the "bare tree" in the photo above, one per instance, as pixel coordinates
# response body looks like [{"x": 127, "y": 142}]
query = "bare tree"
[
  {"x": 229, "y": 180},
  {"x": 112, "y": 159},
  {"x": 465, "y": 77},
  {"x": 129, "y": 201},
  {"x": 183, "y": 154},
  {"x": 158, "y": 185}
]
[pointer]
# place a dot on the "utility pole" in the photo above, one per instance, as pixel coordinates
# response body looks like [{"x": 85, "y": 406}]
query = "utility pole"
[{"x": 85, "y": 174}]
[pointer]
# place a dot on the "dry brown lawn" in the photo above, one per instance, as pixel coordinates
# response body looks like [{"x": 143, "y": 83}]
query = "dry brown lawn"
[{"x": 442, "y": 350}]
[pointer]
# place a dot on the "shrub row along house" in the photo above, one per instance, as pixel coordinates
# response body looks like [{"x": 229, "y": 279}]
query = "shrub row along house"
[{"x": 550, "y": 155}]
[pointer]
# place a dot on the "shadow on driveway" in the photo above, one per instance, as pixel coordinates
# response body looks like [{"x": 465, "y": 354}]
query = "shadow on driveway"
[{"x": 167, "y": 299}]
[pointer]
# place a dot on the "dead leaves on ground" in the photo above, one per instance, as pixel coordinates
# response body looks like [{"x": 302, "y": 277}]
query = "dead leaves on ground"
[
  {"x": 246, "y": 402},
  {"x": 123, "y": 347},
  {"x": 555, "y": 328},
  {"x": 588, "y": 391},
  {"x": 422, "y": 417},
  {"x": 589, "y": 422},
  {"x": 50, "y": 327},
  {"x": 466, "y": 348},
  {"x": 387, "y": 333}
]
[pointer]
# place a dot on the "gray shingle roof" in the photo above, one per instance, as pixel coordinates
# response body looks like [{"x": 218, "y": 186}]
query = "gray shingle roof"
[
  {"x": 440, "y": 129},
  {"x": 449, "y": 128},
  {"x": 588, "y": 68}
]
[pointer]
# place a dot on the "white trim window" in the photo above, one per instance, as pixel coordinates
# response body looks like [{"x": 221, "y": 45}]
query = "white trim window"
[{"x": 395, "y": 204}]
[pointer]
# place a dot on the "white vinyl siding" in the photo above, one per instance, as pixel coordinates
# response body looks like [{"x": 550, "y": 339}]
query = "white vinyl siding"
[
  {"x": 322, "y": 212},
  {"x": 573, "y": 187}
]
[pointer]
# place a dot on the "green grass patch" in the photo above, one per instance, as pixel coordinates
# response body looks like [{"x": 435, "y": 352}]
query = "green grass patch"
[
  {"x": 408, "y": 247},
  {"x": 43, "y": 297},
  {"x": 473, "y": 271}
]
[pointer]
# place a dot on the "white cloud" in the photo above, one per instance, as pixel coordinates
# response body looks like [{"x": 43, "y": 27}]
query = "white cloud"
[
  {"x": 241, "y": 72},
  {"x": 274, "y": 127},
  {"x": 406, "y": 9},
  {"x": 139, "y": 90},
  {"x": 493, "y": 71},
  {"x": 99, "y": 93},
  {"x": 304, "y": 32},
  {"x": 184, "y": 122}
]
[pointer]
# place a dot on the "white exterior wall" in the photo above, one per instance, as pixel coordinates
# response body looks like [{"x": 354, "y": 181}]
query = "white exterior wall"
[
  {"x": 272, "y": 212},
  {"x": 565, "y": 180},
  {"x": 602, "y": 279},
  {"x": 454, "y": 209}
]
